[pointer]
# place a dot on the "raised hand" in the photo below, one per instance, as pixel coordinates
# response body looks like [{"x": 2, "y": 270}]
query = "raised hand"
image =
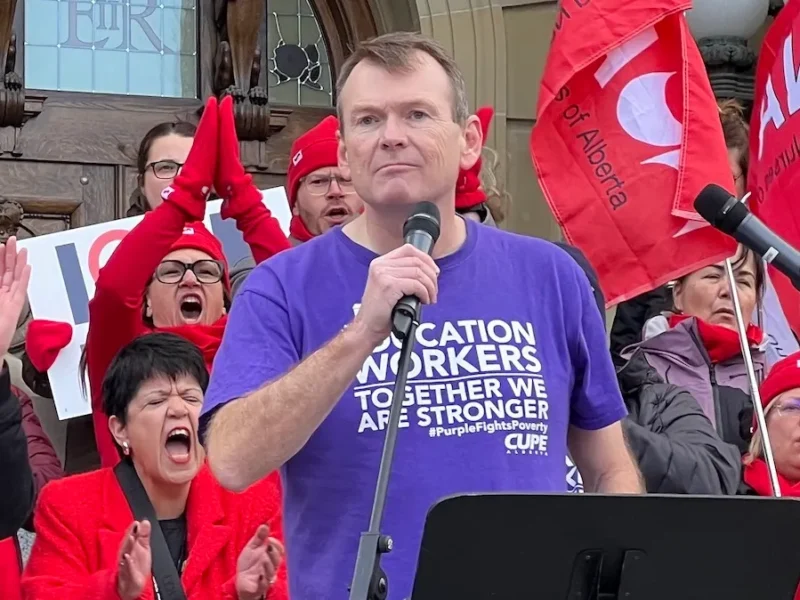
[
  {"x": 13, "y": 289},
  {"x": 233, "y": 184},
  {"x": 135, "y": 561},
  {"x": 192, "y": 186},
  {"x": 257, "y": 565}
]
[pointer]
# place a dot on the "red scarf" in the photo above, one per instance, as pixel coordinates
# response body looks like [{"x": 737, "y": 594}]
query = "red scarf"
[
  {"x": 298, "y": 229},
  {"x": 756, "y": 475},
  {"x": 206, "y": 337},
  {"x": 720, "y": 342}
]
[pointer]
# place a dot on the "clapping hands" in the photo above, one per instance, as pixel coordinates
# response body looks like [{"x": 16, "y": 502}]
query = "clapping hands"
[
  {"x": 135, "y": 561},
  {"x": 258, "y": 565}
]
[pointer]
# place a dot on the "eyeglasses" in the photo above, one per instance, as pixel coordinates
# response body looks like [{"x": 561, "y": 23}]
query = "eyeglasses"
[
  {"x": 319, "y": 185},
  {"x": 173, "y": 271},
  {"x": 165, "y": 169},
  {"x": 789, "y": 407}
]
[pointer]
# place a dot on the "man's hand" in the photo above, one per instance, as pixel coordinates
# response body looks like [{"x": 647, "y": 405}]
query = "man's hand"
[
  {"x": 257, "y": 565},
  {"x": 13, "y": 289},
  {"x": 405, "y": 271},
  {"x": 135, "y": 561}
]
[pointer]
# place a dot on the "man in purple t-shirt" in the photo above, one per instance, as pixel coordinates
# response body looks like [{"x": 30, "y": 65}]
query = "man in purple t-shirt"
[{"x": 510, "y": 369}]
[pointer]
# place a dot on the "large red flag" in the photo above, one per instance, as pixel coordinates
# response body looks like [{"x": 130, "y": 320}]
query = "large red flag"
[
  {"x": 619, "y": 170},
  {"x": 774, "y": 174}
]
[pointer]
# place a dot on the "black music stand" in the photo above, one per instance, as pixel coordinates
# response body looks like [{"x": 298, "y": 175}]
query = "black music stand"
[{"x": 594, "y": 547}]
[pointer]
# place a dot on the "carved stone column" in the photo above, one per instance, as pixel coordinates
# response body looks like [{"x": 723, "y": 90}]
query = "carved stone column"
[
  {"x": 723, "y": 43},
  {"x": 238, "y": 63},
  {"x": 12, "y": 95}
]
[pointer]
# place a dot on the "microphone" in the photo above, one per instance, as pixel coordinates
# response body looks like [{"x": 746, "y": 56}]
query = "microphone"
[
  {"x": 421, "y": 230},
  {"x": 732, "y": 217}
]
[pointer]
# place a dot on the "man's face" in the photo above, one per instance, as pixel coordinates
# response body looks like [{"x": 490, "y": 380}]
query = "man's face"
[
  {"x": 399, "y": 142},
  {"x": 326, "y": 199}
]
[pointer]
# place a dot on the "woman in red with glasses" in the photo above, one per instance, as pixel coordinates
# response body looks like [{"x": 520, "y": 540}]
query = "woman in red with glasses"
[{"x": 169, "y": 272}]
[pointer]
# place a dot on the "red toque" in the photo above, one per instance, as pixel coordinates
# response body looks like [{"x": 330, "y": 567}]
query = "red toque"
[
  {"x": 44, "y": 340},
  {"x": 315, "y": 149},
  {"x": 784, "y": 376},
  {"x": 197, "y": 237},
  {"x": 469, "y": 192}
]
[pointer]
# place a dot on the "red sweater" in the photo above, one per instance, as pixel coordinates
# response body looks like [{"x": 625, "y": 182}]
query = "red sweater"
[
  {"x": 75, "y": 557},
  {"x": 115, "y": 311}
]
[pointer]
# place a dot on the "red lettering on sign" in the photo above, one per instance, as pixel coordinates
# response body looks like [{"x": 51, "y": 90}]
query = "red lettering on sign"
[{"x": 115, "y": 235}]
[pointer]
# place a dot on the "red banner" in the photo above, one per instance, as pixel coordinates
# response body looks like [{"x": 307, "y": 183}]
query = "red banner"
[
  {"x": 774, "y": 174},
  {"x": 619, "y": 170}
]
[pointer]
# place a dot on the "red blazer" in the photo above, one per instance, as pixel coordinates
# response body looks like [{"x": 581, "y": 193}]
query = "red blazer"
[{"x": 80, "y": 522}]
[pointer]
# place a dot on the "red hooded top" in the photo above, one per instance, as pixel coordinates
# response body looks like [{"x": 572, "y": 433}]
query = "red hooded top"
[{"x": 115, "y": 311}]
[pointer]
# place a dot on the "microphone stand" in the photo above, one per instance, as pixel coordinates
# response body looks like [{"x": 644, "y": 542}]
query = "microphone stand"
[
  {"x": 369, "y": 579},
  {"x": 751, "y": 374}
]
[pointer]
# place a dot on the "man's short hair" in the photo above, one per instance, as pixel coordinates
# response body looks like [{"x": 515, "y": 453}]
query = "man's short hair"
[
  {"x": 395, "y": 52},
  {"x": 145, "y": 358}
]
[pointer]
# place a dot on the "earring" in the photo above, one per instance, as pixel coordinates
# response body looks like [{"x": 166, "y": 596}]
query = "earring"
[{"x": 126, "y": 449}]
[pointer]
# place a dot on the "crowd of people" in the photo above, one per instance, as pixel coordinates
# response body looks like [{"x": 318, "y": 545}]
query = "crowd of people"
[{"x": 239, "y": 411}]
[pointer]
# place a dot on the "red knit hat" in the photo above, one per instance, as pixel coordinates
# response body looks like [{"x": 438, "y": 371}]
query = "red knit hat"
[
  {"x": 784, "y": 376},
  {"x": 469, "y": 192},
  {"x": 44, "y": 340},
  {"x": 315, "y": 149},
  {"x": 197, "y": 237}
]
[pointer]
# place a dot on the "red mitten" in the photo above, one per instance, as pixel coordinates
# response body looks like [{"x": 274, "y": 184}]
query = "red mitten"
[
  {"x": 232, "y": 183},
  {"x": 192, "y": 186},
  {"x": 44, "y": 340}
]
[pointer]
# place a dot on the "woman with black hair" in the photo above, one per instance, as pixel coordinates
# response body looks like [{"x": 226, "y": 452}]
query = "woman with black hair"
[{"x": 92, "y": 538}]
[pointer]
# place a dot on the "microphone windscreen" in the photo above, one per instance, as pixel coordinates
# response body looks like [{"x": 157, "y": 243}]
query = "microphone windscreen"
[
  {"x": 424, "y": 217},
  {"x": 720, "y": 209}
]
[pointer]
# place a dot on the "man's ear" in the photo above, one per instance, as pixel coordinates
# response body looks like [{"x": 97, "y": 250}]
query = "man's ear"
[
  {"x": 472, "y": 143},
  {"x": 341, "y": 154}
]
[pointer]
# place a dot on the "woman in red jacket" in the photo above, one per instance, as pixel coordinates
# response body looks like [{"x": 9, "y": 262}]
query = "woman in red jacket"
[
  {"x": 169, "y": 273},
  {"x": 89, "y": 545}
]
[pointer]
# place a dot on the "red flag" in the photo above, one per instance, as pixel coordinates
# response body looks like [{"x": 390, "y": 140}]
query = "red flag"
[
  {"x": 619, "y": 170},
  {"x": 774, "y": 174}
]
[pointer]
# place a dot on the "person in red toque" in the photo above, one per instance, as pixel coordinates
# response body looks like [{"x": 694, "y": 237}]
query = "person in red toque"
[
  {"x": 780, "y": 397},
  {"x": 319, "y": 195},
  {"x": 98, "y": 538},
  {"x": 169, "y": 272}
]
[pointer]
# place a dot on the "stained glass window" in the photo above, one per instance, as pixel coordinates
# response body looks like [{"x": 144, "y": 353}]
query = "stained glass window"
[
  {"x": 134, "y": 47},
  {"x": 297, "y": 58}
]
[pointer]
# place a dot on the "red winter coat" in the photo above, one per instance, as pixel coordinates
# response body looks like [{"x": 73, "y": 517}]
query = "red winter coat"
[{"x": 81, "y": 520}]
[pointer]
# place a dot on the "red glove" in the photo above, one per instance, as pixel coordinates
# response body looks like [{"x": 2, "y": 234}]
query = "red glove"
[
  {"x": 191, "y": 187},
  {"x": 232, "y": 183}
]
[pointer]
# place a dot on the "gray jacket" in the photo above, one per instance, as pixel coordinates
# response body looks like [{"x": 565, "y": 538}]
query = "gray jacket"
[
  {"x": 722, "y": 390},
  {"x": 675, "y": 444}
]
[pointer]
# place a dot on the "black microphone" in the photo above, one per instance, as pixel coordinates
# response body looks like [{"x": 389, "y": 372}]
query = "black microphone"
[
  {"x": 732, "y": 217},
  {"x": 421, "y": 230}
]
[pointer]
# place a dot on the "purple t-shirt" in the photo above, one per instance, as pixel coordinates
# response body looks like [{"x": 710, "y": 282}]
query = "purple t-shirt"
[{"x": 512, "y": 353}]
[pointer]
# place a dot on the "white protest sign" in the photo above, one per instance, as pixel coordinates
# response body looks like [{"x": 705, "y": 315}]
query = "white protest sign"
[{"x": 64, "y": 267}]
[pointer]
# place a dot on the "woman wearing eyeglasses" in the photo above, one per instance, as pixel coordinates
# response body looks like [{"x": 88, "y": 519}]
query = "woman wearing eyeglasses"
[
  {"x": 169, "y": 272},
  {"x": 780, "y": 397}
]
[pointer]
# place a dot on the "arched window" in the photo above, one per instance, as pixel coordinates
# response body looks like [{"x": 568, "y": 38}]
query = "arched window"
[{"x": 299, "y": 65}]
